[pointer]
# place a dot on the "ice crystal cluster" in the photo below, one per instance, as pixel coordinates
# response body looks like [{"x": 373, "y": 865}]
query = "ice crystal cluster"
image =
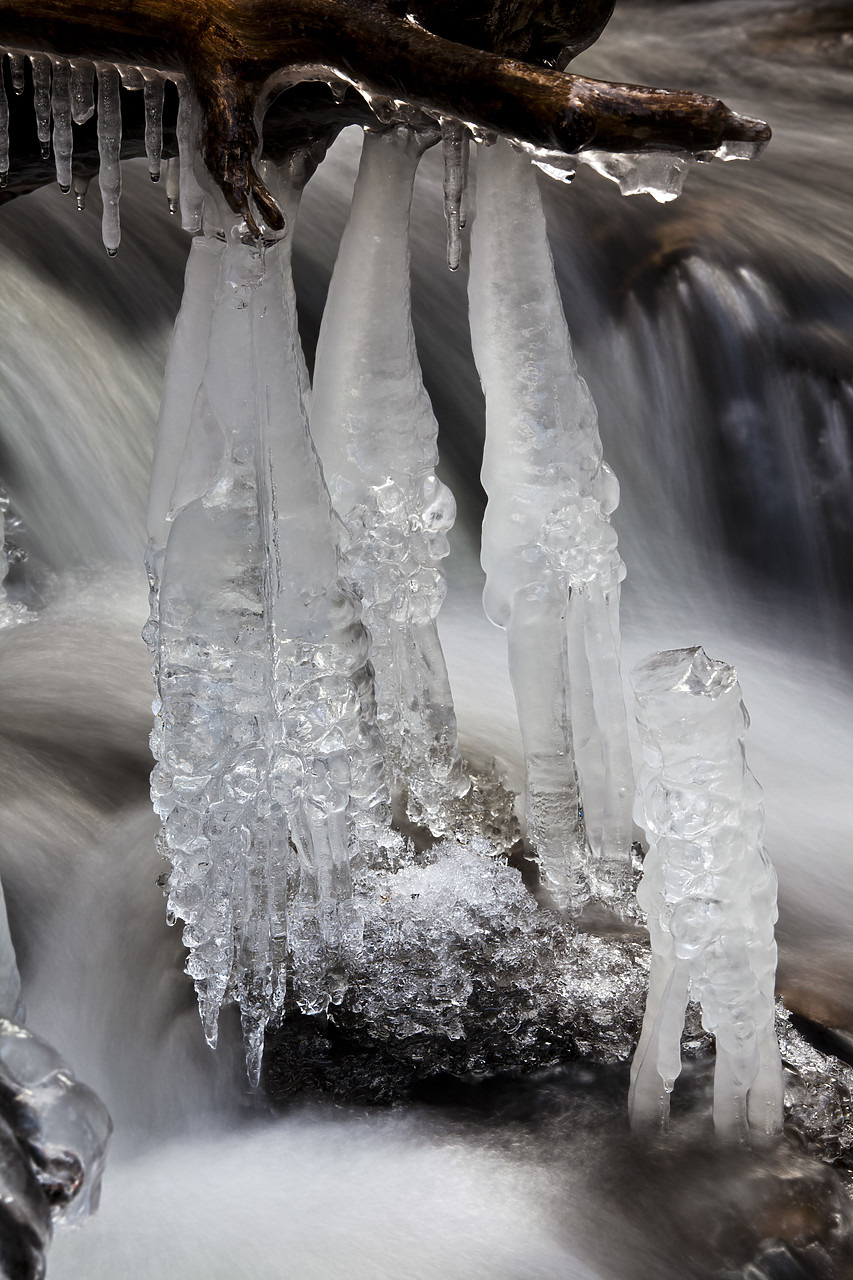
[
  {"x": 709, "y": 894},
  {"x": 549, "y": 551}
]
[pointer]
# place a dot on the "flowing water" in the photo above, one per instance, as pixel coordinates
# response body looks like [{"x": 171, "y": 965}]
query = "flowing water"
[{"x": 715, "y": 334}]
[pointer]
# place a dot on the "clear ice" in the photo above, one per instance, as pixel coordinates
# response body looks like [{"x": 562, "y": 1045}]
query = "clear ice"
[
  {"x": 269, "y": 774},
  {"x": 549, "y": 551},
  {"x": 375, "y": 431},
  {"x": 709, "y": 894}
]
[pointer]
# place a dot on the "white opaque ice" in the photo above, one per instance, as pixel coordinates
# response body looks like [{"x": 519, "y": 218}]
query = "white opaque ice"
[
  {"x": 548, "y": 547},
  {"x": 709, "y": 894},
  {"x": 376, "y": 433}
]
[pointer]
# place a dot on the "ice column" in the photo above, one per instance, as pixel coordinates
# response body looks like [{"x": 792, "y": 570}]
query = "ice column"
[
  {"x": 269, "y": 766},
  {"x": 709, "y": 893},
  {"x": 376, "y": 434},
  {"x": 550, "y": 554}
]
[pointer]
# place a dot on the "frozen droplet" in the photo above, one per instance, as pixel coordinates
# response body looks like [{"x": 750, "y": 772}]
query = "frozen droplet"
[
  {"x": 656, "y": 173},
  {"x": 61, "y": 107},
  {"x": 109, "y": 150},
  {"x": 173, "y": 182},
  {"x": 82, "y": 91},
  {"x": 454, "y": 142},
  {"x": 154, "y": 89},
  {"x": 80, "y": 186},
  {"x": 41, "y": 99},
  {"x": 16, "y": 68},
  {"x": 192, "y": 197}
]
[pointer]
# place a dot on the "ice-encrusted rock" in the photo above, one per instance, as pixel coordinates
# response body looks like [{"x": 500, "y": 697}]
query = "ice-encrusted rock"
[
  {"x": 269, "y": 770},
  {"x": 375, "y": 431},
  {"x": 549, "y": 551},
  {"x": 709, "y": 894}
]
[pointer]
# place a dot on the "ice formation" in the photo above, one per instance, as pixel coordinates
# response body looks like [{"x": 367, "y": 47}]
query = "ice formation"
[
  {"x": 270, "y": 771},
  {"x": 11, "y": 611},
  {"x": 709, "y": 893},
  {"x": 375, "y": 431},
  {"x": 549, "y": 551}
]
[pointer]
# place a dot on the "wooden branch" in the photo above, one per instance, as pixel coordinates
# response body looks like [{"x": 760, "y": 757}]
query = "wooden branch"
[{"x": 232, "y": 50}]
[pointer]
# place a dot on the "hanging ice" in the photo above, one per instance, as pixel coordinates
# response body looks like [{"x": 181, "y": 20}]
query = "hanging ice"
[
  {"x": 709, "y": 893},
  {"x": 269, "y": 771},
  {"x": 109, "y": 151},
  {"x": 191, "y": 197},
  {"x": 375, "y": 431},
  {"x": 455, "y": 143},
  {"x": 40, "y": 64},
  {"x": 549, "y": 552},
  {"x": 61, "y": 108},
  {"x": 11, "y": 612},
  {"x": 154, "y": 90}
]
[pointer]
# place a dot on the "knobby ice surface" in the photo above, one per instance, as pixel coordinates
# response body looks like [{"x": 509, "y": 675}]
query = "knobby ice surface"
[
  {"x": 270, "y": 768},
  {"x": 374, "y": 428},
  {"x": 709, "y": 894},
  {"x": 549, "y": 551}
]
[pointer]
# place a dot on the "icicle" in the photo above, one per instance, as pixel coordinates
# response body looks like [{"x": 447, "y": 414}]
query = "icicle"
[
  {"x": 61, "y": 106},
  {"x": 109, "y": 150},
  {"x": 264, "y": 725},
  {"x": 709, "y": 893},
  {"x": 80, "y": 187},
  {"x": 82, "y": 91},
  {"x": 155, "y": 87},
  {"x": 41, "y": 99},
  {"x": 656, "y": 174},
  {"x": 192, "y": 199},
  {"x": 11, "y": 613},
  {"x": 173, "y": 182},
  {"x": 454, "y": 141},
  {"x": 552, "y": 566},
  {"x": 131, "y": 78},
  {"x": 4, "y": 130},
  {"x": 16, "y": 67},
  {"x": 376, "y": 434}
]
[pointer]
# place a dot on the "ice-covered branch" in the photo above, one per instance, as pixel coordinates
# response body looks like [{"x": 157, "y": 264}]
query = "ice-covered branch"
[
  {"x": 709, "y": 893},
  {"x": 376, "y": 434},
  {"x": 549, "y": 551}
]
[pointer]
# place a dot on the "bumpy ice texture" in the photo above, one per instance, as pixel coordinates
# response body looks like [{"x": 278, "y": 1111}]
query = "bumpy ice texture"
[
  {"x": 709, "y": 893},
  {"x": 269, "y": 767},
  {"x": 549, "y": 551},
  {"x": 375, "y": 431}
]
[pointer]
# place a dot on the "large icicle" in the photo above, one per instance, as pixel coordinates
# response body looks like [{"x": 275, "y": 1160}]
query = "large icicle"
[
  {"x": 62, "y": 135},
  {"x": 109, "y": 150},
  {"x": 4, "y": 127},
  {"x": 548, "y": 546},
  {"x": 374, "y": 428},
  {"x": 192, "y": 199},
  {"x": 709, "y": 893},
  {"x": 265, "y": 731},
  {"x": 155, "y": 87},
  {"x": 40, "y": 64}
]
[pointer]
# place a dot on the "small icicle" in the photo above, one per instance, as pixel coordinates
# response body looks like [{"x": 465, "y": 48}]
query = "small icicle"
[
  {"x": 192, "y": 197},
  {"x": 454, "y": 141},
  {"x": 4, "y": 132},
  {"x": 173, "y": 182},
  {"x": 41, "y": 99},
  {"x": 109, "y": 149},
  {"x": 16, "y": 67},
  {"x": 154, "y": 89},
  {"x": 80, "y": 187},
  {"x": 82, "y": 91},
  {"x": 62, "y": 140}
]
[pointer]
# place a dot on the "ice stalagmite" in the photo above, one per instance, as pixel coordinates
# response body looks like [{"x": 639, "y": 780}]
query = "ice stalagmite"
[
  {"x": 549, "y": 551},
  {"x": 709, "y": 893},
  {"x": 269, "y": 762},
  {"x": 375, "y": 431}
]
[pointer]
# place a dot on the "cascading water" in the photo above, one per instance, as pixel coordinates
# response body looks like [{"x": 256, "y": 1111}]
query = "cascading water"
[{"x": 700, "y": 605}]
